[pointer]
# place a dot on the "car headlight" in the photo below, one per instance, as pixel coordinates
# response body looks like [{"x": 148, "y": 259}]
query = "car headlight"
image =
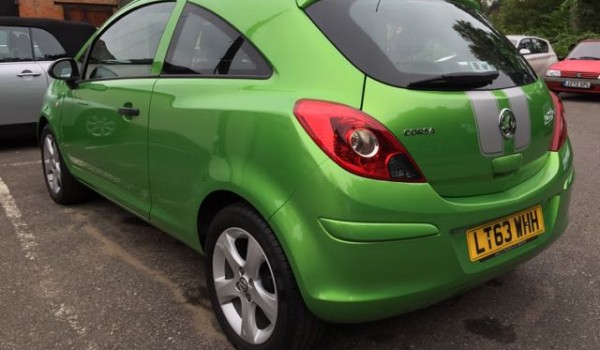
[{"x": 553, "y": 73}]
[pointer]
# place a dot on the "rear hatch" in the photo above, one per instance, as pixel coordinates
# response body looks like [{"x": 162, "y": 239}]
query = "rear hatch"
[{"x": 452, "y": 89}]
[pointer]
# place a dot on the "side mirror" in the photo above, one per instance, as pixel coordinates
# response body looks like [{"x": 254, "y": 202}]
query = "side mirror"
[
  {"x": 65, "y": 69},
  {"x": 525, "y": 52}
]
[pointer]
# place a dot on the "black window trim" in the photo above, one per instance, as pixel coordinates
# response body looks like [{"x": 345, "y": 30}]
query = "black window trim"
[
  {"x": 97, "y": 36},
  {"x": 176, "y": 34}
]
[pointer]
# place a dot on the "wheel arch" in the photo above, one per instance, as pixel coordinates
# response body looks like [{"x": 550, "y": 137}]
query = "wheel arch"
[
  {"x": 42, "y": 122},
  {"x": 211, "y": 205}
]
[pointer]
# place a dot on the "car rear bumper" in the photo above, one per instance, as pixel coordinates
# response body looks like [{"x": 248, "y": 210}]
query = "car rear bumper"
[
  {"x": 557, "y": 85},
  {"x": 364, "y": 250}
]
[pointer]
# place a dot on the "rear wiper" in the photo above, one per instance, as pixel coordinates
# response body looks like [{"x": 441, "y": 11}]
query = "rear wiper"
[{"x": 456, "y": 80}]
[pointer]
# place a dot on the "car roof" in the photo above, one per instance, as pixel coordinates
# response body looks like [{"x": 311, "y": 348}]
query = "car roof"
[
  {"x": 591, "y": 41},
  {"x": 71, "y": 35}
]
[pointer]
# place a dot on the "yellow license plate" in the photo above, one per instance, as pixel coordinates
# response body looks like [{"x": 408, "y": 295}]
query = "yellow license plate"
[{"x": 491, "y": 238}]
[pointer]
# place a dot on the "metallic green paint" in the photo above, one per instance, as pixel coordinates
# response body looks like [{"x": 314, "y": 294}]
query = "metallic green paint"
[
  {"x": 107, "y": 150},
  {"x": 360, "y": 249},
  {"x": 377, "y": 232},
  {"x": 507, "y": 164},
  {"x": 451, "y": 159},
  {"x": 349, "y": 281}
]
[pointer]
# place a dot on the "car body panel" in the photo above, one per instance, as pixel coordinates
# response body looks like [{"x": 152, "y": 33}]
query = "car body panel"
[
  {"x": 463, "y": 133},
  {"x": 109, "y": 151},
  {"x": 247, "y": 163},
  {"x": 20, "y": 94},
  {"x": 360, "y": 280}
]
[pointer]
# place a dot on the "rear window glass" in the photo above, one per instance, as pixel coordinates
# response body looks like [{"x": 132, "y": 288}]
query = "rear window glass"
[{"x": 401, "y": 42}]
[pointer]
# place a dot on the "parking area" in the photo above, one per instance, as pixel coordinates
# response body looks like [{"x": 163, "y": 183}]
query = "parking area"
[{"x": 93, "y": 276}]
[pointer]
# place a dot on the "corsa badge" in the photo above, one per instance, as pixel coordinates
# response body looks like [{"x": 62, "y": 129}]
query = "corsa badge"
[{"x": 508, "y": 123}]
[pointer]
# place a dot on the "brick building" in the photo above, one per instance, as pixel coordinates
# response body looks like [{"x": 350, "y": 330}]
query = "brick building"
[{"x": 94, "y": 12}]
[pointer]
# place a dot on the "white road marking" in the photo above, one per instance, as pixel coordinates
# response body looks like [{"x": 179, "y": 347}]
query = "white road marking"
[
  {"x": 47, "y": 290},
  {"x": 17, "y": 164},
  {"x": 14, "y": 216}
]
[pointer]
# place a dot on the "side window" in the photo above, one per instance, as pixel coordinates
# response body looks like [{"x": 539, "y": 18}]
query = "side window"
[
  {"x": 543, "y": 46},
  {"x": 15, "y": 44},
  {"x": 205, "y": 45},
  {"x": 127, "y": 48},
  {"x": 535, "y": 46},
  {"x": 526, "y": 44},
  {"x": 45, "y": 46}
]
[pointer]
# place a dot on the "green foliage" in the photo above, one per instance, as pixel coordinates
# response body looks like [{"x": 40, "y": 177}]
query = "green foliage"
[
  {"x": 563, "y": 22},
  {"x": 565, "y": 42}
]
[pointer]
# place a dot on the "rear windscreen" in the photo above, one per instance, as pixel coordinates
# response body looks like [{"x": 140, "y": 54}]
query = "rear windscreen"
[{"x": 400, "y": 42}]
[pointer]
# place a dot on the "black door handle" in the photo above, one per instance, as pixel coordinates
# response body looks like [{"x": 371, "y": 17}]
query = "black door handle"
[{"x": 129, "y": 112}]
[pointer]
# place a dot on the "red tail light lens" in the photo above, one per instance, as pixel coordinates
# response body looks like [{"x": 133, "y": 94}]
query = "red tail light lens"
[
  {"x": 356, "y": 141},
  {"x": 560, "y": 124}
]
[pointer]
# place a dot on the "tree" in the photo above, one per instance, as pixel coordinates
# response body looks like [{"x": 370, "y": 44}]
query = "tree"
[
  {"x": 563, "y": 22},
  {"x": 584, "y": 15}
]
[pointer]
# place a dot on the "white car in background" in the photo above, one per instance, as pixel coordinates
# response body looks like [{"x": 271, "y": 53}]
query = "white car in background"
[{"x": 537, "y": 51}]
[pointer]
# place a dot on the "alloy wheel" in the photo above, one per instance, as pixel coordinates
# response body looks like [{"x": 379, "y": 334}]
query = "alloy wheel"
[
  {"x": 245, "y": 285},
  {"x": 52, "y": 169}
]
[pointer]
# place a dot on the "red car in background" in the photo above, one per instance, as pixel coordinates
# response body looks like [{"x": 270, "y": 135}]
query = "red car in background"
[{"x": 579, "y": 72}]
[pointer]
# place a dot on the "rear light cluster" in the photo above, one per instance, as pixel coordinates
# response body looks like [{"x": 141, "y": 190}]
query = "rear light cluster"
[
  {"x": 356, "y": 141},
  {"x": 560, "y": 124}
]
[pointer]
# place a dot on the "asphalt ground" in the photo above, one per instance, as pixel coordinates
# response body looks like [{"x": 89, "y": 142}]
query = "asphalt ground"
[{"x": 93, "y": 276}]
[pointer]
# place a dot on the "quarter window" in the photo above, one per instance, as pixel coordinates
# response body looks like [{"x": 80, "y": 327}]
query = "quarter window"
[
  {"x": 205, "y": 45},
  {"x": 45, "y": 46},
  {"x": 527, "y": 45},
  {"x": 127, "y": 48},
  {"x": 541, "y": 46}
]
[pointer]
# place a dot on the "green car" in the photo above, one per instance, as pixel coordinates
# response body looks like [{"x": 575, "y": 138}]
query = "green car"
[{"x": 336, "y": 160}]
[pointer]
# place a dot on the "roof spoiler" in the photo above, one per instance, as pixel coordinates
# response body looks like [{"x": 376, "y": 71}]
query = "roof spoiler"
[{"x": 469, "y": 3}]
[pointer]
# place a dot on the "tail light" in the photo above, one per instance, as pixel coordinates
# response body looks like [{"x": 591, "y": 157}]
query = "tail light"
[
  {"x": 356, "y": 141},
  {"x": 560, "y": 124}
]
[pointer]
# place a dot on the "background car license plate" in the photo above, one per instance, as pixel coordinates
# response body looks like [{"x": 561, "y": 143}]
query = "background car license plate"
[
  {"x": 498, "y": 235},
  {"x": 578, "y": 84}
]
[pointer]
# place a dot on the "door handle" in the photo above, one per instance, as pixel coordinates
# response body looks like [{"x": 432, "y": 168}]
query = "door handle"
[
  {"x": 28, "y": 73},
  {"x": 129, "y": 112}
]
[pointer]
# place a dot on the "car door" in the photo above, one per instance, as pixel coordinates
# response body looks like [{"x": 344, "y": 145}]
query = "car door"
[
  {"x": 23, "y": 82},
  {"x": 546, "y": 56},
  {"x": 105, "y": 118},
  {"x": 538, "y": 55},
  {"x": 200, "y": 116},
  {"x": 527, "y": 44}
]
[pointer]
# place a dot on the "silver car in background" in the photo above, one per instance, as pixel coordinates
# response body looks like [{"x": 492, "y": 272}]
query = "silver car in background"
[
  {"x": 537, "y": 51},
  {"x": 27, "y": 47}
]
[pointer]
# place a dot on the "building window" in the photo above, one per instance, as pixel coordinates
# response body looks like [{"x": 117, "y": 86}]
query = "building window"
[{"x": 93, "y": 14}]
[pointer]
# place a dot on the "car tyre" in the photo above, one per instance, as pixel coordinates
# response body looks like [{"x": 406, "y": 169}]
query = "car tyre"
[
  {"x": 251, "y": 285},
  {"x": 61, "y": 185}
]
